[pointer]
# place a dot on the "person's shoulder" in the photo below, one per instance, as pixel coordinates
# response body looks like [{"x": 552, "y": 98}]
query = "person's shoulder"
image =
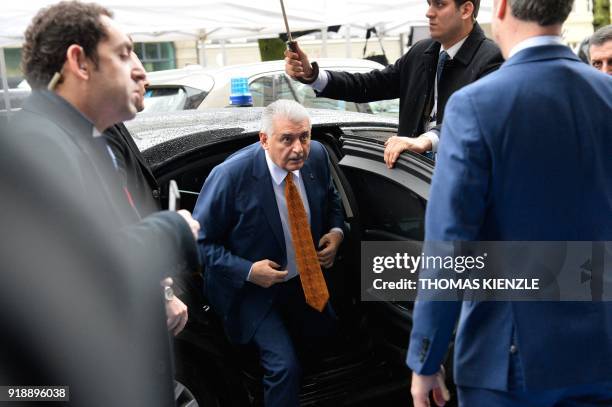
[
  {"x": 317, "y": 150},
  {"x": 243, "y": 156},
  {"x": 418, "y": 48},
  {"x": 486, "y": 88},
  {"x": 39, "y": 131},
  {"x": 422, "y": 45},
  {"x": 239, "y": 163},
  {"x": 317, "y": 146},
  {"x": 592, "y": 75},
  {"x": 485, "y": 85},
  {"x": 590, "y": 81},
  {"x": 490, "y": 48}
]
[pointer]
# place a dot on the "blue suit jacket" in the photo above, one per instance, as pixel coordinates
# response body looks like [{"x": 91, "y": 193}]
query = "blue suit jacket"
[
  {"x": 241, "y": 225},
  {"x": 526, "y": 155}
]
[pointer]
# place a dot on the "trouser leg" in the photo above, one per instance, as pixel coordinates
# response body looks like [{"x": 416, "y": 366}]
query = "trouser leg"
[{"x": 282, "y": 373}]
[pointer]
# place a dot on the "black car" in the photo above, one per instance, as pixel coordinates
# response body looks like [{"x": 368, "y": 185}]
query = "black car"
[{"x": 364, "y": 364}]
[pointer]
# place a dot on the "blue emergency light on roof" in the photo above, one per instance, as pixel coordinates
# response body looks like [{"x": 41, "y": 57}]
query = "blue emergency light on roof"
[{"x": 240, "y": 95}]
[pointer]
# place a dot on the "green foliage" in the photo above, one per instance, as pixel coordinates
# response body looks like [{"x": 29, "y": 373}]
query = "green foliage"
[
  {"x": 601, "y": 13},
  {"x": 271, "y": 49}
]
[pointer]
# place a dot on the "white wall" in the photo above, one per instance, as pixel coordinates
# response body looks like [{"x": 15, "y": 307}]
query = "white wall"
[
  {"x": 186, "y": 52},
  {"x": 579, "y": 25}
]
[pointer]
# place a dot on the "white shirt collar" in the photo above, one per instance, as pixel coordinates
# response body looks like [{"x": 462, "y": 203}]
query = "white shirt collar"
[
  {"x": 278, "y": 174},
  {"x": 95, "y": 133},
  {"x": 452, "y": 51},
  {"x": 538, "y": 41}
]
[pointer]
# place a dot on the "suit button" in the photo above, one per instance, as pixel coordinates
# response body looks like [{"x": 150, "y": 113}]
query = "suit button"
[{"x": 513, "y": 349}]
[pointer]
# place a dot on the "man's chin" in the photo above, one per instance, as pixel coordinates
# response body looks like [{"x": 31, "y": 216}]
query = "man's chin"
[
  {"x": 294, "y": 165},
  {"x": 128, "y": 114}
]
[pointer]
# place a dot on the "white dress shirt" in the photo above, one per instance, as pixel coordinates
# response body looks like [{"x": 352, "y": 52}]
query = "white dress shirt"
[
  {"x": 278, "y": 183},
  {"x": 95, "y": 133},
  {"x": 432, "y": 135}
]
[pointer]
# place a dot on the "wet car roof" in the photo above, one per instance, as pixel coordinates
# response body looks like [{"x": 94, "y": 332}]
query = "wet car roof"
[{"x": 161, "y": 136}]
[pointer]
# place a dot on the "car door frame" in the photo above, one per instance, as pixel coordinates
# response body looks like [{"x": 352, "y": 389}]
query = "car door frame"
[{"x": 412, "y": 172}]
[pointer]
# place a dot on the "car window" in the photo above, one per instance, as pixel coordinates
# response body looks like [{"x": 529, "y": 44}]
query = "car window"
[
  {"x": 309, "y": 99},
  {"x": 267, "y": 89},
  {"x": 401, "y": 213},
  {"x": 173, "y": 98},
  {"x": 165, "y": 99},
  {"x": 388, "y": 108}
]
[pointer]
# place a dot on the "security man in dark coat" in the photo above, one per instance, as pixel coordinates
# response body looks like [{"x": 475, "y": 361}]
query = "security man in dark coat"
[{"x": 457, "y": 54}]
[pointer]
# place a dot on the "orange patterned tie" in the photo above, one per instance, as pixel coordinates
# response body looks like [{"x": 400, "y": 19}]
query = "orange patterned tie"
[{"x": 313, "y": 283}]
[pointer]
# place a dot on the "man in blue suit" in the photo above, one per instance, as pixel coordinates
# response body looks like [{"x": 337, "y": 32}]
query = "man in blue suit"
[
  {"x": 253, "y": 249},
  {"x": 525, "y": 155}
]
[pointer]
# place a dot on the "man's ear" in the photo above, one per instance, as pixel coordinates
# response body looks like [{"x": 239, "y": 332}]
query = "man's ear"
[
  {"x": 76, "y": 62},
  {"x": 500, "y": 12},
  {"x": 467, "y": 10},
  {"x": 263, "y": 139}
]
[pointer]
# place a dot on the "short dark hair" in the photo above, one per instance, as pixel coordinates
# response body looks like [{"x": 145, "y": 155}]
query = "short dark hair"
[
  {"x": 53, "y": 30},
  {"x": 543, "y": 12},
  {"x": 476, "y": 4},
  {"x": 601, "y": 36}
]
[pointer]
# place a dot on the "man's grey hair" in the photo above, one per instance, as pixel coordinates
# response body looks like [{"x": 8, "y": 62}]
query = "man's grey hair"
[
  {"x": 543, "y": 12},
  {"x": 601, "y": 36},
  {"x": 288, "y": 109}
]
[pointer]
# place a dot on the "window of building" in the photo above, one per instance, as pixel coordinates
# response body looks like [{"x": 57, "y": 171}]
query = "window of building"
[
  {"x": 12, "y": 56},
  {"x": 156, "y": 56}
]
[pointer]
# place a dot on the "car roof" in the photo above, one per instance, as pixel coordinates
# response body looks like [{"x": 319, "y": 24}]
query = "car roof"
[
  {"x": 198, "y": 77},
  {"x": 165, "y": 135}
]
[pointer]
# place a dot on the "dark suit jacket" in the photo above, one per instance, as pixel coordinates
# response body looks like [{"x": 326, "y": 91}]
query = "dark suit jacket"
[
  {"x": 412, "y": 79},
  {"x": 134, "y": 168},
  {"x": 241, "y": 225},
  {"x": 134, "y": 173},
  {"x": 525, "y": 156},
  {"x": 61, "y": 137},
  {"x": 73, "y": 309},
  {"x": 67, "y": 146}
]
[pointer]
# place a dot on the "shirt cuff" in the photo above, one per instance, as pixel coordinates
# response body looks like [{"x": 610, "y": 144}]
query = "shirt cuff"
[
  {"x": 249, "y": 275},
  {"x": 434, "y": 137},
  {"x": 337, "y": 230},
  {"x": 321, "y": 82}
]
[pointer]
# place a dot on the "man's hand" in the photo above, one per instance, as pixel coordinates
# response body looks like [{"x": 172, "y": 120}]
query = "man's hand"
[
  {"x": 194, "y": 225},
  {"x": 396, "y": 145},
  {"x": 297, "y": 64},
  {"x": 329, "y": 244},
  {"x": 176, "y": 314},
  {"x": 176, "y": 310},
  {"x": 265, "y": 274},
  {"x": 422, "y": 385}
]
